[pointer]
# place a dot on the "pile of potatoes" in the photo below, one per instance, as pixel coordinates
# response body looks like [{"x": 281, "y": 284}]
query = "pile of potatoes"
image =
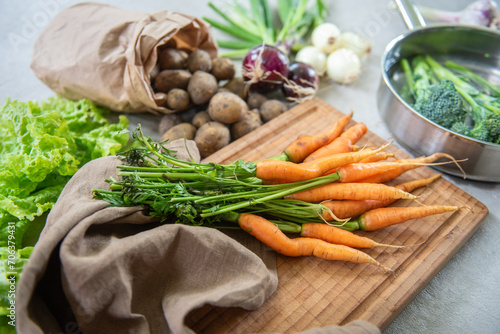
[{"x": 207, "y": 102}]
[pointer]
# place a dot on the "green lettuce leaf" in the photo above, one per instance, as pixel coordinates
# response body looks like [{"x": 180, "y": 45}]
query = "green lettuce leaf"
[{"x": 42, "y": 144}]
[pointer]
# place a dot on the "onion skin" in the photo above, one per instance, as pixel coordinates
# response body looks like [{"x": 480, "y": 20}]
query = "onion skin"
[
  {"x": 343, "y": 66},
  {"x": 303, "y": 81},
  {"x": 312, "y": 56},
  {"x": 264, "y": 68}
]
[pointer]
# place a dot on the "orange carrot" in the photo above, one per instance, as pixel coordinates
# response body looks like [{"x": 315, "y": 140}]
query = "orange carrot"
[
  {"x": 335, "y": 235},
  {"x": 272, "y": 236},
  {"x": 383, "y": 171},
  {"x": 286, "y": 170},
  {"x": 351, "y": 191},
  {"x": 304, "y": 145},
  {"x": 353, "y": 208},
  {"x": 383, "y": 217},
  {"x": 342, "y": 144},
  {"x": 347, "y": 208},
  {"x": 374, "y": 158},
  {"x": 380, "y": 156}
]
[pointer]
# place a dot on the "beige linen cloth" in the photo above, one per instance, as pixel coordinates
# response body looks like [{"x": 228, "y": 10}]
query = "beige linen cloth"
[
  {"x": 101, "y": 269},
  {"x": 107, "y": 54}
]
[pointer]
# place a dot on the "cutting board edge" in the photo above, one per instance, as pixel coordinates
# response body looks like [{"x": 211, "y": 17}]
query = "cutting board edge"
[
  {"x": 394, "y": 308},
  {"x": 391, "y": 307}
]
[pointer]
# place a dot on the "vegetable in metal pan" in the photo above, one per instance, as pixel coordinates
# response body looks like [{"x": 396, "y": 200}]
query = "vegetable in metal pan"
[{"x": 454, "y": 97}]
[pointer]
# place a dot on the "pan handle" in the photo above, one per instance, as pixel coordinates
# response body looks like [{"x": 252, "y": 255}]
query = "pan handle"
[{"x": 410, "y": 14}]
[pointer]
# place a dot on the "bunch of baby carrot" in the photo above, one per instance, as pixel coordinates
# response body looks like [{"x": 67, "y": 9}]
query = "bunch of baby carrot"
[{"x": 322, "y": 187}]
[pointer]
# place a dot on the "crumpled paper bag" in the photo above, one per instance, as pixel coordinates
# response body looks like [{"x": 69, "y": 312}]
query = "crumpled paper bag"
[
  {"x": 104, "y": 269},
  {"x": 106, "y": 54}
]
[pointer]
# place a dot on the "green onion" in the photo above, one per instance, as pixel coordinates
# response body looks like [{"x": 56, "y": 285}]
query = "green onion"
[{"x": 256, "y": 25}]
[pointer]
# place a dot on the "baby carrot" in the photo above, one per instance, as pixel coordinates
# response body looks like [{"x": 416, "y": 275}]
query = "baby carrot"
[
  {"x": 383, "y": 217},
  {"x": 342, "y": 144},
  {"x": 374, "y": 158},
  {"x": 347, "y": 208},
  {"x": 350, "y": 191},
  {"x": 335, "y": 235},
  {"x": 271, "y": 235},
  {"x": 383, "y": 171},
  {"x": 380, "y": 156},
  {"x": 286, "y": 170},
  {"x": 353, "y": 208},
  {"x": 304, "y": 145}
]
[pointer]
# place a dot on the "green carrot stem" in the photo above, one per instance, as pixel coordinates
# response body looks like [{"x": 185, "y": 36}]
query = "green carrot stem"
[
  {"x": 282, "y": 157},
  {"x": 287, "y": 227},
  {"x": 169, "y": 175},
  {"x": 275, "y": 195}
]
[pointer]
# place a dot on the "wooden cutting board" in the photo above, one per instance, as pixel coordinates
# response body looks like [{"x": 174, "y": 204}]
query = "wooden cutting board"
[{"x": 316, "y": 293}]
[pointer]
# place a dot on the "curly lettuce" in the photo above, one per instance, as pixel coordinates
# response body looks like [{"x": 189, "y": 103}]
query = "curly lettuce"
[{"x": 42, "y": 144}]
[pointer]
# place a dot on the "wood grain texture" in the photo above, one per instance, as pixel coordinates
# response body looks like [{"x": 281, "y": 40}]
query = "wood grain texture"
[{"x": 315, "y": 293}]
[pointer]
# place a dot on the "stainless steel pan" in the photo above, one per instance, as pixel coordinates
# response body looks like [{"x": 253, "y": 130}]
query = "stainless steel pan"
[{"x": 476, "y": 48}]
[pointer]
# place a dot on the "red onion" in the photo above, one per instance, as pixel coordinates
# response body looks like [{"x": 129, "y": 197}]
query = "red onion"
[
  {"x": 302, "y": 83},
  {"x": 264, "y": 68}
]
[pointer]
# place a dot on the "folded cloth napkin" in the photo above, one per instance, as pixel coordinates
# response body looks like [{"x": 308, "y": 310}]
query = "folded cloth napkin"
[{"x": 102, "y": 269}]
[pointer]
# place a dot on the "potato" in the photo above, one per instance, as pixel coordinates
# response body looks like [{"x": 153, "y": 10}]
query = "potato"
[
  {"x": 169, "y": 121},
  {"x": 199, "y": 60},
  {"x": 238, "y": 86},
  {"x": 255, "y": 100},
  {"x": 170, "y": 79},
  {"x": 271, "y": 109},
  {"x": 178, "y": 99},
  {"x": 250, "y": 121},
  {"x": 255, "y": 115},
  {"x": 211, "y": 137},
  {"x": 154, "y": 72},
  {"x": 201, "y": 118},
  {"x": 172, "y": 59},
  {"x": 226, "y": 107},
  {"x": 182, "y": 130},
  {"x": 223, "y": 68},
  {"x": 202, "y": 87},
  {"x": 161, "y": 99}
]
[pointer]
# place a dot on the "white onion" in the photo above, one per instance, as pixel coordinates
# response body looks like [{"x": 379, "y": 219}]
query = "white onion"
[
  {"x": 343, "y": 66},
  {"x": 313, "y": 57},
  {"x": 326, "y": 37},
  {"x": 356, "y": 43}
]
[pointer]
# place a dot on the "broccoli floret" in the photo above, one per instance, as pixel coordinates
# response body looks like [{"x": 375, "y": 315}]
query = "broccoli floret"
[
  {"x": 461, "y": 128},
  {"x": 436, "y": 100},
  {"x": 451, "y": 101},
  {"x": 441, "y": 103},
  {"x": 486, "y": 122},
  {"x": 484, "y": 109},
  {"x": 487, "y": 130}
]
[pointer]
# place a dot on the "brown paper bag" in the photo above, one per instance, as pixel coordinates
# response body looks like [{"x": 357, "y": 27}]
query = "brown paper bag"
[{"x": 106, "y": 54}]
